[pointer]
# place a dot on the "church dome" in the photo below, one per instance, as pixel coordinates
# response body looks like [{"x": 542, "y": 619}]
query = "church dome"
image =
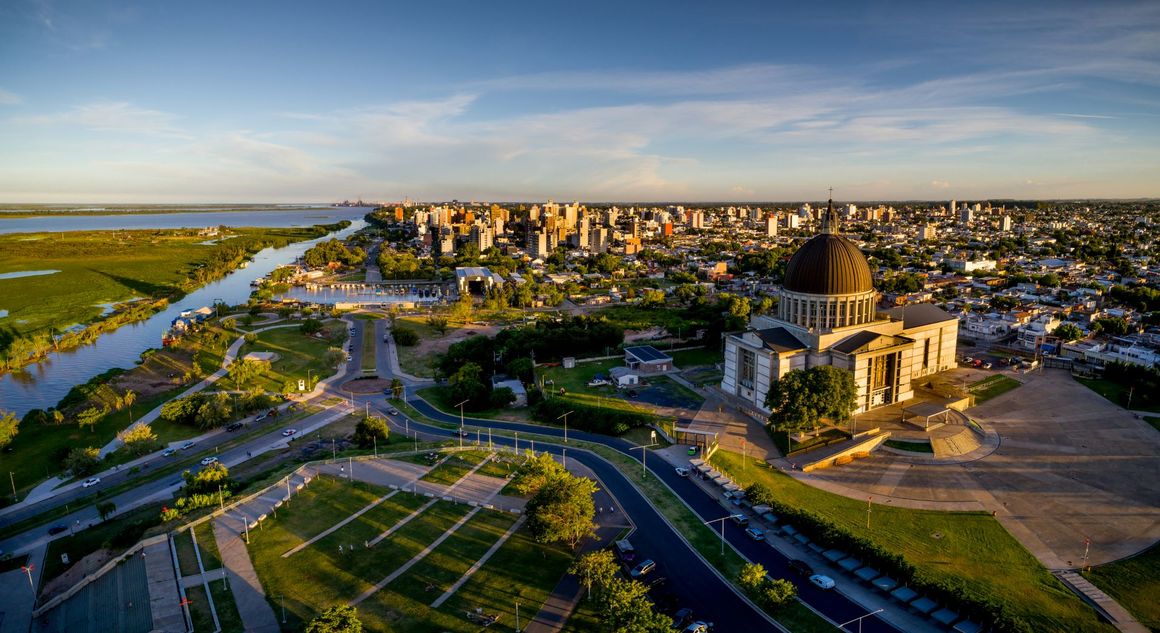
[{"x": 828, "y": 264}]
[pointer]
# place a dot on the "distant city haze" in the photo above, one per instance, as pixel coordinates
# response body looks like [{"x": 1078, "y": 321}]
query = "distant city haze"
[{"x": 111, "y": 101}]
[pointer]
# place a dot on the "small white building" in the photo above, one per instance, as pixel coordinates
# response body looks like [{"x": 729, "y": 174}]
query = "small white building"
[{"x": 624, "y": 377}]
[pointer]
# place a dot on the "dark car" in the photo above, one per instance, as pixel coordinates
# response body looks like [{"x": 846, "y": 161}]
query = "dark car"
[
  {"x": 801, "y": 567},
  {"x": 233, "y": 427},
  {"x": 57, "y": 529},
  {"x": 682, "y": 617}
]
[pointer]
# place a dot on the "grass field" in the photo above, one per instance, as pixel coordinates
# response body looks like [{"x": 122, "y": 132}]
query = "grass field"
[
  {"x": 211, "y": 558},
  {"x": 319, "y": 576},
  {"x": 300, "y": 357},
  {"x": 968, "y": 550},
  {"x": 227, "y": 609},
  {"x": 914, "y": 447},
  {"x": 993, "y": 387},
  {"x": 186, "y": 557},
  {"x": 199, "y": 609},
  {"x": 1117, "y": 393},
  {"x": 454, "y": 467},
  {"x": 102, "y": 267},
  {"x": 1134, "y": 583},
  {"x": 575, "y": 383},
  {"x": 685, "y": 359},
  {"x": 368, "y": 348},
  {"x": 416, "y": 360}
]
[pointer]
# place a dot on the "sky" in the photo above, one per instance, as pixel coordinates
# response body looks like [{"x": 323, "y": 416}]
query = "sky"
[{"x": 186, "y": 102}]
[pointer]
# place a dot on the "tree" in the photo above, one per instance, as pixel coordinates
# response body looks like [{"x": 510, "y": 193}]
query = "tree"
[
  {"x": 129, "y": 397},
  {"x": 370, "y": 430},
  {"x": 467, "y": 384},
  {"x": 759, "y": 494},
  {"x": 397, "y": 388},
  {"x": 333, "y": 357},
  {"x": 207, "y": 479},
  {"x": 652, "y": 299},
  {"x": 245, "y": 371},
  {"x": 106, "y": 509},
  {"x": 776, "y": 593},
  {"x": 311, "y": 327},
  {"x": 521, "y": 369},
  {"x": 404, "y": 336},
  {"x": 216, "y": 409},
  {"x": 835, "y": 391},
  {"x": 626, "y": 608},
  {"x": 90, "y": 416},
  {"x": 536, "y": 470},
  {"x": 438, "y": 323},
  {"x": 562, "y": 510},
  {"x": 337, "y": 619},
  {"x": 9, "y": 427},
  {"x": 595, "y": 569},
  {"x": 1068, "y": 332},
  {"x": 751, "y": 577},
  {"x": 791, "y": 404},
  {"x": 138, "y": 440},
  {"x": 231, "y": 323},
  {"x": 502, "y": 397},
  {"x": 83, "y": 461}
]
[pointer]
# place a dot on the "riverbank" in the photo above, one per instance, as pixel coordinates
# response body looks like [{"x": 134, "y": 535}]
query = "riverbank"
[
  {"x": 102, "y": 280},
  {"x": 31, "y": 210}
]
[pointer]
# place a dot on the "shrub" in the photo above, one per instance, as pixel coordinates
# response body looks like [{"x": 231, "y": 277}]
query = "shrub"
[{"x": 405, "y": 337}]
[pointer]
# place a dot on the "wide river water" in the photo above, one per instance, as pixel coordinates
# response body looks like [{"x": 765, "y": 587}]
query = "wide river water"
[{"x": 42, "y": 385}]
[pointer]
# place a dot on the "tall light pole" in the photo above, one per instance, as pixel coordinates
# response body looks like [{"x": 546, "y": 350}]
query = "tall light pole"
[
  {"x": 27, "y": 569},
  {"x": 565, "y": 459},
  {"x": 644, "y": 458},
  {"x": 859, "y": 620},
  {"x": 283, "y": 598},
  {"x": 12, "y": 479},
  {"x": 460, "y": 405},
  {"x": 565, "y": 416},
  {"x": 722, "y": 521}
]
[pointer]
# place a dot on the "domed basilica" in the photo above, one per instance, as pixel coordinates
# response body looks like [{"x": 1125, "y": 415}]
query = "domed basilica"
[{"x": 827, "y": 315}]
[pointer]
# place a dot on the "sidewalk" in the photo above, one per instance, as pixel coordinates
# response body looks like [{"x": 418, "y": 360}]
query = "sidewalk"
[
  {"x": 19, "y": 597},
  {"x": 164, "y": 596},
  {"x": 255, "y": 611}
]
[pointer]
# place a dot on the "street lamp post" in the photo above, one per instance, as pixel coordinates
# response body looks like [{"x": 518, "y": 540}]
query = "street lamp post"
[
  {"x": 283, "y": 598},
  {"x": 565, "y": 459},
  {"x": 644, "y": 457},
  {"x": 460, "y": 405},
  {"x": 859, "y": 620},
  {"x": 565, "y": 416},
  {"x": 27, "y": 569},
  {"x": 12, "y": 479},
  {"x": 722, "y": 521}
]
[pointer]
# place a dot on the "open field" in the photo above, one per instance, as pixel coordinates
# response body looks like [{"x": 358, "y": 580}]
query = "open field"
[
  {"x": 454, "y": 468},
  {"x": 101, "y": 268},
  {"x": 963, "y": 548},
  {"x": 417, "y": 360},
  {"x": 320, "y": 576},
  {"x": 993, "y": 387},
  {"x": 1115, "y": 392},
  {"x": 300, "y": 357},
  {"x": 211, "y": 558},
  {"x": 186, "y": 557},
  {"x": 368, "y": 348},
  {"x": 1134, "y": 583},
  {"x": 696, "y": 357}
]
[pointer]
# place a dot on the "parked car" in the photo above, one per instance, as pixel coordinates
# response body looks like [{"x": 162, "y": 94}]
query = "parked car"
[
  {"x": 968, "y": 360},
  {"x": 624, "y": 550},
  {"x": 645, "y": 568},
  {"x": 683, "y": 616},
  {"x": 57, "y": 529},
  {"x": 740, "y": 519},
  {"x": 462, "y": 432},
  {"x": 699, "y": 627},
  {"x": 262, "y": 416},
  {"x": 682, "y": 472},
  {"x": 168, "y": 452},
  {"x": 394, "y": 412},
  {"x": 206, "y": 461},
  {"x": 987, "y": 365},
  {"x": 91, "y": 482},
  {"x": 755, "y": 533},
  {"x": 822, "y": 581},
  {"x": 186, "y": 445},
  {"x": 801, "y": 567},
  {"x": 289, "y": 432},
  {"x": 233, "y": 427}
]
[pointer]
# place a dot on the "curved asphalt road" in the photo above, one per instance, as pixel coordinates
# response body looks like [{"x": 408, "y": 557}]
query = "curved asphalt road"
[{"x": 834, "y": 605}]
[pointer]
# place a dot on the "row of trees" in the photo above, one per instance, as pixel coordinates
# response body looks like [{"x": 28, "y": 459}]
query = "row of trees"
[
  {"x": 211, "y": 410},
  {"x": 561, "y": 508},
  {"x": 624, "y": 605},
  {"x": 333, "y": 251}
]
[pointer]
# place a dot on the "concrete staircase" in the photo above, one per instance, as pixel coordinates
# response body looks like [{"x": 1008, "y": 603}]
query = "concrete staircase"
[{"x": 1109, "y": 608}]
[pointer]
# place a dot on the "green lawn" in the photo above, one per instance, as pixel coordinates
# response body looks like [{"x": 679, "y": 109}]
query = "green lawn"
[
  {"x": 368, "y": 348},
  {"x": 967, "y": 551},
  {"x": 199, "y": 609},
  {"x": 1153, "y": 420},
  {"x": 227, "y": 609},
  {"x": 1117, "y": 393},
  {"x": 186, "y": 557},
  {"x": 300, "y": 357},
  {"x": 211, "y": 558},
  {"x": 575, "y": 385},
  {"x": 440, "y": 397},
  {"x": 914, "y": 447},
  {"x": 1134, "y": 583},
  {"x": 992, "y": 387},
  {"x": 454, "y": 467},
  {"x": 632, "y": 317},
  {"x": 319, "y": 576},
  {"x": 697, "y": 357}
]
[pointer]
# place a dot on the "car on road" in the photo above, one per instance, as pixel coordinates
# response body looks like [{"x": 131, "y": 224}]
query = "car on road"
[
  {"x": 822, "y": 581},
  {"x": 625, "y": 550},
  {"x": 186, "y": 445},
  {"x": 394, "y": 412},
  {"x": 462, "y": 432},
  {"x": 289, "y": 432},
  {"x": 755, "y": 533},
  {"x": 206, "y": 461},
  {"x": 968, "y": 360},
  {"x": 801, "y": 567},
  {"x": 233, "y": 427},
  {"x": 987, "y": 365},
  {"x": 91, "y": 482},
  {"x": 683, "y": 616},
  {"x": 682, "y": 472},
  {"x": 262, "y": 416},
  {"x": 57, "y": 529},
  {"x": 168, "y": 452},
  {"x": 699, "y": 627},
  {"x": 740, "y": 519},
  {"x": 646, "y": 567}
]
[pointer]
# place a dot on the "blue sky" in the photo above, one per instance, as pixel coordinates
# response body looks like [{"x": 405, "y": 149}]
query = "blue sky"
[{"x": 318, "y": 101}]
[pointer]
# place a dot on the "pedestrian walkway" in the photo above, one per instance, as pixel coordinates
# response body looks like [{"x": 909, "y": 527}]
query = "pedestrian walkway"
[
  {"x": 256, "y": 614},
  {"x": 337, "y": 526},
  {"x": 1118, "y": 615},
  {"x": 19, "y": 596},
  {"x": 164, "y": 597},
  {"x": 478, "y": 564}
]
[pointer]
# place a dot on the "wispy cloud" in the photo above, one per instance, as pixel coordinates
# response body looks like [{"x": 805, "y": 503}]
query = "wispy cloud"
[
  {"x": 120, "y": 117},
  {"x": 9, "y": 98},
  {"x": 1084, "y": 116}
]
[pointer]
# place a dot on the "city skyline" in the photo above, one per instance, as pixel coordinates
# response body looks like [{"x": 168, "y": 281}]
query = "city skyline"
[{"x": 115, "y": 102}]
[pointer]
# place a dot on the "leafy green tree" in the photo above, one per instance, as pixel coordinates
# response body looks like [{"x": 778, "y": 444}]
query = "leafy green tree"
[
  {"x": 9, "y": 427},
  {"x": 207, "y": 479},
  {"x": 231, "y": 323},
  {"x": 626, "y": 608},
  {"x": 91, "y": 416},
  {"x": 467, "y": 384},
  {"x": 106, "y": 510},
  {"x": 245, "y": 371},
  {"x": 562, "y": 510},
  {"x": 759, "y": 494},
  {"x": 82, "y": 461},
  {"x": 333, "y": 357},
  {"x": 370, "y": 430},
  {"x": 397, "y": 388},
  {"x": 751, "y": 577},
  {"x": 835, "y": 391},
  {"x": 311, "y": 327},
  {"x": 405, "y": 336},
  {"x": 337, "y": 619},
  {"x": 502, "y": 397},
  {"x": 438, "y": 323},
  {"x": 791, "y": 404},
  {"x": 520, "y": 369},
  {"x": 536, "y": 470},
  {"x": 777, "y": 593},
  {"x": 1068, "y": 332},
  {"x": 652, "y": 299},
  {"x": 215, "y": 410},
  {"x": 139, "y": 440},
  {"x": 595, "y": 570}
]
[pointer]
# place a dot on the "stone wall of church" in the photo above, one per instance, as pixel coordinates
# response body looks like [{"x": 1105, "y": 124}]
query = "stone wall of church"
[{"x": 939, "y": 354}]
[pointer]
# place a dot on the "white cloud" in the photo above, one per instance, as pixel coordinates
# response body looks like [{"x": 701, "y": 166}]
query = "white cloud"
[
  {"x": 940, "y": 184},
  {"x": 9, "y": 98},
  {"x": 121, "y": 117}
]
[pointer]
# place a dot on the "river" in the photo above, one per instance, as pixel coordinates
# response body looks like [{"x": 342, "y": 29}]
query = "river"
[
  {"x": 128, "y": 221},
  {"x": 42, "y": 385}
]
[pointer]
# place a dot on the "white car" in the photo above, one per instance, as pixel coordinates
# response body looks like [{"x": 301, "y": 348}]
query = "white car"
[
  {"x": 208, "y": 460},
  {"x": 289, "y": 432},
  {"x": 682, "y": 472},
  {"x": 91, "y": 482},
  {"x": 822, "y": 581}
]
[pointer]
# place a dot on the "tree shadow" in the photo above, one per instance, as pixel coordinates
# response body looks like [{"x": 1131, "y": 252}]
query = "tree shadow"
[{"x": 140, "y": 287}]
